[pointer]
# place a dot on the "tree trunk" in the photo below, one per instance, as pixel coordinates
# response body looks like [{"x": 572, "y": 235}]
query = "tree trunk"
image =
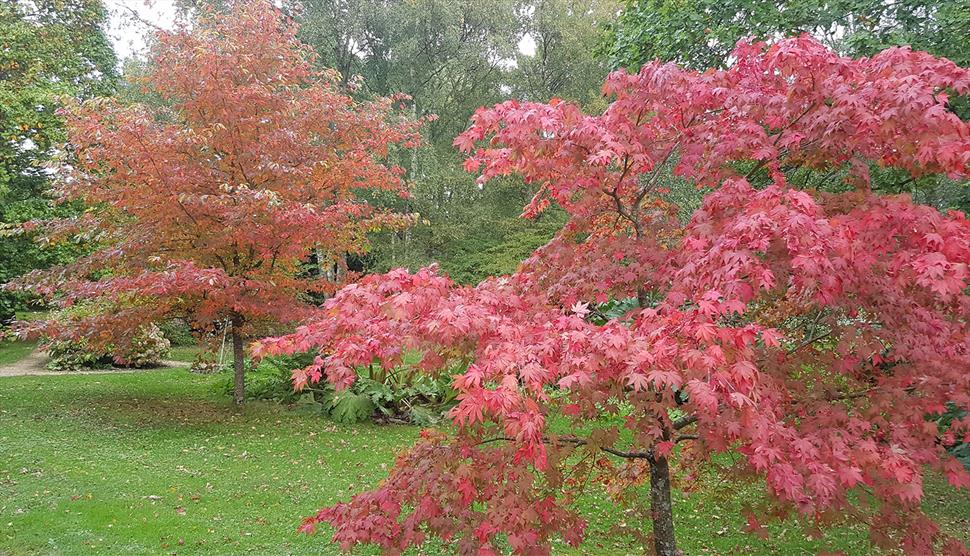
[
  {"x": 643, "y": 298},
  {"x": 238, "y": 362},
  {"x": 661, "y": 509},
  {"x": 322, "y": 268}
]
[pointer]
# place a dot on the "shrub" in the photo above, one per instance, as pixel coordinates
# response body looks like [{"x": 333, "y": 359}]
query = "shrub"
[
  {"x": 270, "y": 379},
  {"x": 8, "y": 308},
  {"x": 405, "y": 395},
  {"x": 178, "y": 332},
  {"x": 348, "y": 406},
  {"x": 399, "y": 395},
  {"x": 72, "y": 355},
  {"x": 147, "y": 349},
  {"x": 959, "y": 450}
]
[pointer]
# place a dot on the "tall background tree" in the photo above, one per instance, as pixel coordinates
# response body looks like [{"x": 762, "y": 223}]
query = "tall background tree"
[
  {"x": 49, "y": 51},
  {"x": 453, "y": 57},
  {"x": 701, "y": 34},
  {"x": 563, "y": 36},
  {"x": 204, "y": 204}
]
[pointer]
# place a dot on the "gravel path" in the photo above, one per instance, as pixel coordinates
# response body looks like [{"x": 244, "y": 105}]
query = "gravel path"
[
  {"x": 32, "y": 364},
  {"x": 35, "y": 364}
]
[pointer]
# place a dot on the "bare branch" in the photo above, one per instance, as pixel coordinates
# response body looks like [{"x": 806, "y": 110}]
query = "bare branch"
[{"x": 577, "y": 442}]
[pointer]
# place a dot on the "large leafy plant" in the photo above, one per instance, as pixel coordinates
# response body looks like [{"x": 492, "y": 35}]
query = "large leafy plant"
[{"x": 399, "y": 395}]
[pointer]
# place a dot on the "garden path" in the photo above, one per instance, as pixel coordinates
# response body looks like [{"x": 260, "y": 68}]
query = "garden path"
[{"x": 36, "y": 364}]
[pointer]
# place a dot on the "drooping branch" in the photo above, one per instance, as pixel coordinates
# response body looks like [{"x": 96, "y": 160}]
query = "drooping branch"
[{"x": 576, "y": 441}]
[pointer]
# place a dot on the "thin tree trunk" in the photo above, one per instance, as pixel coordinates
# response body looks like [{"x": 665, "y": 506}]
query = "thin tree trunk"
[
  {"x": 661, "y": 508},
  {"x": 322, "y": 269},
  {"x": 238, "y": 362},
  {"x": 643, "y": 299}
]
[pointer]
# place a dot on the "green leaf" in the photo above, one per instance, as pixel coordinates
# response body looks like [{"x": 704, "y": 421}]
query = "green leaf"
[{"x": 348, "y": 408}]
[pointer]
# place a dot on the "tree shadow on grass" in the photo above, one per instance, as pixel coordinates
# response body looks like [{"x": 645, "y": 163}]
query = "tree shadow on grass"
[{"x": 163, "y": 412}]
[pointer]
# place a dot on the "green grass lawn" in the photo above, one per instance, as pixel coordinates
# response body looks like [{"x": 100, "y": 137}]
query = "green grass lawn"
[
  {"x": 31, "y": 315},
  {"x": 12, "y": 351},
  {"x": 160, "y": 463},
  {"x": 186, "y": 354}
]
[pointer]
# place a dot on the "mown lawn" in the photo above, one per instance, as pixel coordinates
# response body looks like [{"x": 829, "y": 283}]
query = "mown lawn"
[
  {"x": 185, "y": 354},
  {"x": 12, "y": 351},
  {"x": 160, "y": 463}
]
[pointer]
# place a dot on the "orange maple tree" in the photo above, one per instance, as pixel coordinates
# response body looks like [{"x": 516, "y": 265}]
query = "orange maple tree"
[
  {"x": 206, "y": 202},
  {"x": 797, "y": 318}
]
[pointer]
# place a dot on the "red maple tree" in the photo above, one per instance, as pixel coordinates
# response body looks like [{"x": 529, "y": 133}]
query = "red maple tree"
[
  {"x": 796, "y": 318},
  {"x": 206, "y": 202}
]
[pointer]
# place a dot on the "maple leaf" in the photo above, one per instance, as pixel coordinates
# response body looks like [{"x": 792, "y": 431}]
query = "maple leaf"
[
  {"x": 771, "y": 337},
  {"x": 638, "y": 381},
  {"x": 702, "y": 395},
  {"x": 706, "y": 332},
  {"x": 850, "y": 476},
  {"x": 580, "y": 309},
  {"x": 664, "y": 379},
  {"x": 665, "y": 448}
]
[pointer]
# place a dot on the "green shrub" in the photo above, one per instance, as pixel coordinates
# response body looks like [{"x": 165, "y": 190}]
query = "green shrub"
[
  {"x": 147, "y": 348},
  {"x": 612, "y": 309},
  {"x": 73, "y": 355},
  {"x": 405, "y": 394},
  {"x": 178, "y": 332},
  {"x": 961, "y": 450},
  {"x": 8, "y": 308},
  {"x": 348, "y": 407},
  {"x": 400, "y": 395},
  {"x": 270, "y": 379}
]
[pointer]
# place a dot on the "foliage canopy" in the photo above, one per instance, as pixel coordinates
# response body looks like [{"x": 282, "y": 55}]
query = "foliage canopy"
[
  {"x": 811, "y": 331},
  {"x": 206, "y": 204}
]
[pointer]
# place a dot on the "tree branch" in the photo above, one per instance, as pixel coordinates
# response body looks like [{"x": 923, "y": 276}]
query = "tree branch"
[
  {"x": 810, "y": 341},
  {"x": 575, "y": 441},
  {"x": 684, "y": 421}
]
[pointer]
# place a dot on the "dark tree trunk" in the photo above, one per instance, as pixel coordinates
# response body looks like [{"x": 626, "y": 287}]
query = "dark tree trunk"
[
  {"x": 238, "y": 362},
  {"x": 661, "y": 508}
]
